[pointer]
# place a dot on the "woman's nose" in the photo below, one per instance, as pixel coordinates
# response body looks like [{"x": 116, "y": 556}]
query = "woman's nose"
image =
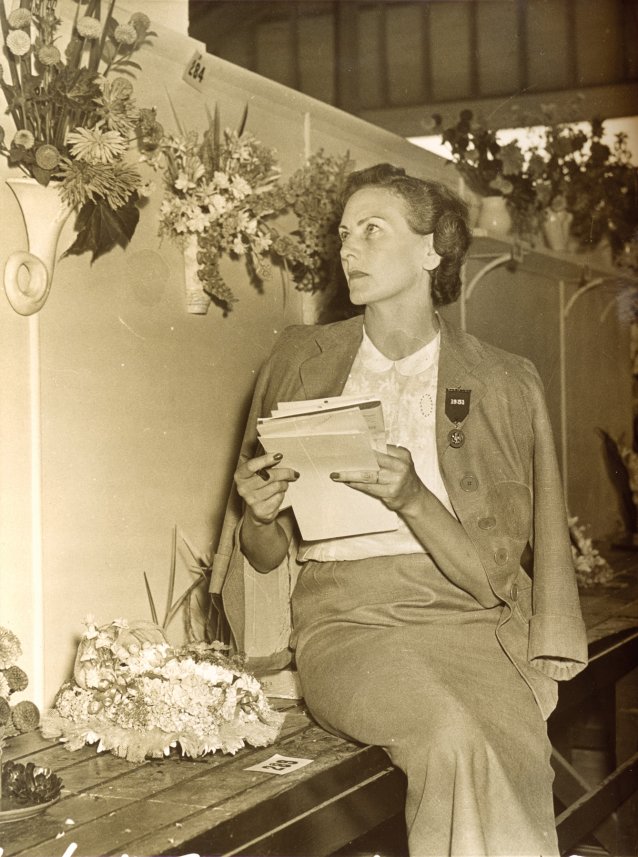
[{"x": 348, "y": 249}]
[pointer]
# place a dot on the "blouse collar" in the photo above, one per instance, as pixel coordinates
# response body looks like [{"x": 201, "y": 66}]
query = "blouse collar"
[{"x": 413, "y": 364}]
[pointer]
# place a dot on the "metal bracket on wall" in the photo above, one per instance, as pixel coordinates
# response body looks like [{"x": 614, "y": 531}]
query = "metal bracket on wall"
[
  {"x": 584, "y": 285},
  {"x": 511, "y": 259}
]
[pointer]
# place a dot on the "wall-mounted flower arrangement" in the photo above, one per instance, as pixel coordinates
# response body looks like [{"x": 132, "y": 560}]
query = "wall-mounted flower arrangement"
[
  {"x": 75, "y": 112},
  {"x": 223, "y": 196}
]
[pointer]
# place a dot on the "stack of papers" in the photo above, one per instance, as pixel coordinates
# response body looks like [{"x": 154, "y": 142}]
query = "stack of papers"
[{"x": 321, "y": 436}]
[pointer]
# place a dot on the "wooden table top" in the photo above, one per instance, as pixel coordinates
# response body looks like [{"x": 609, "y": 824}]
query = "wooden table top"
[{"x": 213, "y": 805}]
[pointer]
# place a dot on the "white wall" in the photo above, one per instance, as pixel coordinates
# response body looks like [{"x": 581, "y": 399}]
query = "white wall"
[{"x": 141, "y": 404}]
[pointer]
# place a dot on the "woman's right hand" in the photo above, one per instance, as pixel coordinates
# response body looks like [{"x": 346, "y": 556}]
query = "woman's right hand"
[{"x": 262, "y": 486}]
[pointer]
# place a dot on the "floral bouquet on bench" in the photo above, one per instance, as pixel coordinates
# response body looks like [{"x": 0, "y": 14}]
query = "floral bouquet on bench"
[{"x": 137, "y": 696}]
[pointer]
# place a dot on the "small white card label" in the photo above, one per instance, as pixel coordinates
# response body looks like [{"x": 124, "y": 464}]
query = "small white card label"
[
  {"x": 279, "y": 764},
  {"x": 195, "y": 71}
]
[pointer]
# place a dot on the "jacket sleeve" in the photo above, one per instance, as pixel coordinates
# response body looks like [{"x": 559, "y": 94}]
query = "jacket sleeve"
[
  {"x": 254, "y": 606},
  {"x": 557, "y": 638}
]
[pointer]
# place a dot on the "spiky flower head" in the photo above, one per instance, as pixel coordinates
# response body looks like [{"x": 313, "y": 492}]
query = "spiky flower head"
[
  {"x": 49, "y": 55},
  {"x": 10, "y": 648},
  {"x": 89, "y": 28},
  {"x": 47, "y": 157},
  {"x": 82, "y": 181},
  {"x": 18, "y": 43},
  {"x": 16, "y": 678},
  {"x": 25, "y": 716},
  {"x": 125, "y": 34},
  {"x": 5, "y": 688},
  {"x": 24, "y": 138},
  {"x": 20, "y": 18},
  {"x": 95, "y": 145},
  {"x": 117, "y": 106}
]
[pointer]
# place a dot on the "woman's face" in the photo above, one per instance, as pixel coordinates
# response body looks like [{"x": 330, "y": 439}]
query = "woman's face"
[{"x": 383, "y": 259}]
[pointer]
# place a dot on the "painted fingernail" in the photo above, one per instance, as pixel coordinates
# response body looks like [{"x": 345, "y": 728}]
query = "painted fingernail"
[
  {"x": 295, "y": 474},
  {"x": 278, "y": 456},
  {"x": 263, "y": 474},
  {"x": 334, "y": 475}
]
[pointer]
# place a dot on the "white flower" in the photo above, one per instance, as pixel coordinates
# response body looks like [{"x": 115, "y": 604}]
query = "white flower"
[
  {"x": 20, "y": 18},
  {"x": 24, "y": 138},
  {"x": 198, "y": 222},
  {"x": 18, "y": 43},
  {"x": 221, "y": 180},
  {"x": 5, "y": 690},
  {"x": 218, "y": 203},
  {"x": 96, "y": 146},
  {"x": 125, "y": 34},
  {"x": 238, "y": 247},
  {"x": 49, "y": 55},
  {"x": 240, "y": 187},
  {"x": 89, "y": 28}
]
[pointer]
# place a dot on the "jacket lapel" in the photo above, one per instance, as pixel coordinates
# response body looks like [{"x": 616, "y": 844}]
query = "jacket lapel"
[
  {"x": 326, "y": 372},
  {"x": 459, "y": 368}
]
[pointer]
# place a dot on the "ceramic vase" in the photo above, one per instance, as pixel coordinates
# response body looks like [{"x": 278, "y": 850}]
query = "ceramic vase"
[
  {"x": 28, "y": 273},
  {"x": 197, "y": 301},
  {"x": 494, "y": 216},
  {"x": 556, "y": 225}
]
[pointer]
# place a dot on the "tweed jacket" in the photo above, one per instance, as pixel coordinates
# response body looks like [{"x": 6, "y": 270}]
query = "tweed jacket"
[{"x": 503, "y": 483}]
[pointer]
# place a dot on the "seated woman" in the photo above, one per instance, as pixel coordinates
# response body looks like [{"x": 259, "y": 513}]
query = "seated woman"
[{"x": 441, "y": 641}]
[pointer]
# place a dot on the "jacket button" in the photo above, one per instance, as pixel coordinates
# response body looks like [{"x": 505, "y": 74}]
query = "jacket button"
[
  {"x": 501, "y": 556},
  {"x": 469, "y": 482},
  {"x": 487, "y": 523},
  {"x": 514, "y": 592}
]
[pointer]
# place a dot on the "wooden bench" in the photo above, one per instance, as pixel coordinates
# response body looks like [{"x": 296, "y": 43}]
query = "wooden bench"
[{"x": 214, "y": 806}]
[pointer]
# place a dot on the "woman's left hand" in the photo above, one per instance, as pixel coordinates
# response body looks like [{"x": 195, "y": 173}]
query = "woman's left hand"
[{"x": 395, "y": 483}]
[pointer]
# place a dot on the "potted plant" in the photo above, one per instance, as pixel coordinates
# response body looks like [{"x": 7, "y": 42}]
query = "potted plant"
[{"x": 495, "y": 172}]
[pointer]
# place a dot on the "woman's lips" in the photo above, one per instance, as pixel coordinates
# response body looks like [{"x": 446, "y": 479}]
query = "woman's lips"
[{"x": 355, "y": 275}]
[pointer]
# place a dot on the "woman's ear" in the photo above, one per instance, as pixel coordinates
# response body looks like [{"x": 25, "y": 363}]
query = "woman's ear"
[{"x": 431, "y": 258}]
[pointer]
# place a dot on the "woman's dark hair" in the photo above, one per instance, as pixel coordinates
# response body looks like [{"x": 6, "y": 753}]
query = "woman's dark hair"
[{"x": 430, "y": 208}]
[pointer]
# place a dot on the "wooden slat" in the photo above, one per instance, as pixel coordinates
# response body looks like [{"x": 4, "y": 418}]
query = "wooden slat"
[{"x": 598, "y": 803}]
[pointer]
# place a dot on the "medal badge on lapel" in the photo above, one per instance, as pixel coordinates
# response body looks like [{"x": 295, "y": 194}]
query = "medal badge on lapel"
[{"x": 457, "y": 407}]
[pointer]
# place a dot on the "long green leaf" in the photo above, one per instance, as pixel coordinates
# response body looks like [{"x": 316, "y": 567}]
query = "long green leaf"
[
  {"x": 180, "y": 127},
  {"x": 243, "y": 120},
  {"x": 150, "y": 600},
  {"x": 171, "y": 615},
  {"x": 171, "y": 578}
]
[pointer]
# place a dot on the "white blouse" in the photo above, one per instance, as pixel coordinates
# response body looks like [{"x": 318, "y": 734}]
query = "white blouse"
[{"x": 407, "y": 390}]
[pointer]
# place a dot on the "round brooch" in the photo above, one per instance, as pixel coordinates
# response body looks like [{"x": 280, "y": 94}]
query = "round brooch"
[{"x": 426, "y": 405}]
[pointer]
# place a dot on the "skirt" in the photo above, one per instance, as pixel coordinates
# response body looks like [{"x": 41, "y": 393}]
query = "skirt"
[{"x": 391, "y": 653}]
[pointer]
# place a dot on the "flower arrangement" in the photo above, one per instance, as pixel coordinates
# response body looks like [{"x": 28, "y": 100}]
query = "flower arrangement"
[
  {"x": 21, "y": 716},
  {"x": 592, "y": 569},
  {"x": 75, "y": 120},
  {"x": 224, "y": 191},
  {"x": 571, "y": 170},
  {"x": 137, "y": 696}
]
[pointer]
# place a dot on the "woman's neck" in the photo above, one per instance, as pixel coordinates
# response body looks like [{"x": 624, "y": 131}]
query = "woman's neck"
[{"x": 397, "y": 335}]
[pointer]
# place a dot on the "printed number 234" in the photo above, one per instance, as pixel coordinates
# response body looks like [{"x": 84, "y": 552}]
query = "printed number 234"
[{"x": 196, "y": 70}]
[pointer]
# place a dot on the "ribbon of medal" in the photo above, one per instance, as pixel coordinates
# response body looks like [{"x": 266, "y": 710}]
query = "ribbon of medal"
[{"x": 457, "y": 407}]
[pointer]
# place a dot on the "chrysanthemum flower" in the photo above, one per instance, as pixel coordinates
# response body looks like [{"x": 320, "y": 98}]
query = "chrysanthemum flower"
[
  {"x": 95, "y": 145},
  {"x": 47, "y": 157},
  {"x": 16, "y": 679},
  {"x": 82, "y": 181},
  {"x": 89, "y": 28},
  {"x": 125, "y": 34},
  {"x": 18, "y": 43},
  {"x": 117, "y": 107},
  {"x": 49, "y": 55},
  {"x": 10, "y": 648},
  {"x": 20, "y": 18},
  {"x": 24, "y": 138},
  {"x": 25, "y": 716}
]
